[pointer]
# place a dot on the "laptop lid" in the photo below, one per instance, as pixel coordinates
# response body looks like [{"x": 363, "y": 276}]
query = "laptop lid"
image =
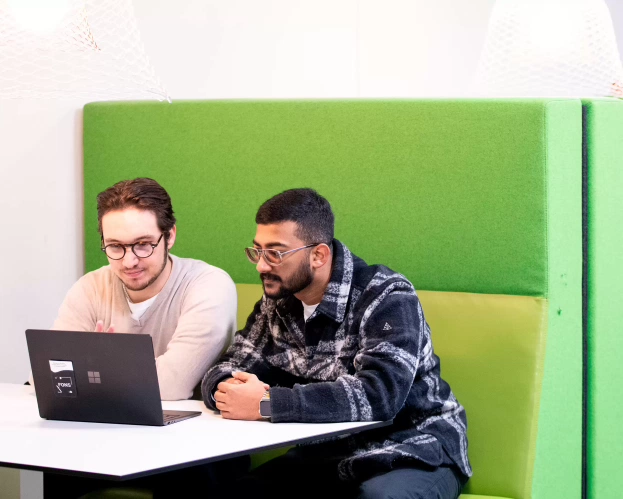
[{"x": 95, "y": 377}]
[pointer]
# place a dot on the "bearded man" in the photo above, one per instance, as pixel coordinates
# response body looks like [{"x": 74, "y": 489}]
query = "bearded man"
[{"x": 334, "y": 339}]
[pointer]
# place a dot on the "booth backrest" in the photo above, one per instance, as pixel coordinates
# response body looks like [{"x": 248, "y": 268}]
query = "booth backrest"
[
  {"x": 469, "y": 199},
  {"x": 604, "y": 280}
]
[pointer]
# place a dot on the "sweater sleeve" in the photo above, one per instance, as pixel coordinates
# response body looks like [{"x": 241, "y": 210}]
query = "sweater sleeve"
[
  {"x": 245, "y": 354},
  {"x": 78, "y": 310},
  {"x": 392, "y": 336},
  {"x": 204, "y": 329}
]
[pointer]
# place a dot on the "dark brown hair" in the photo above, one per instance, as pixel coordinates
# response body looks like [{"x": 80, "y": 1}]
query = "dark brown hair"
[
  {"x": 142, "y": 194},
  {"x": 309, "y": 210}
]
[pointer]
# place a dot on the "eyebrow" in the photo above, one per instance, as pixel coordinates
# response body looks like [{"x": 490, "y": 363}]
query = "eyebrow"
[
  {"x": 270, "y": 245},
  {"x": 136, "y": 240}
]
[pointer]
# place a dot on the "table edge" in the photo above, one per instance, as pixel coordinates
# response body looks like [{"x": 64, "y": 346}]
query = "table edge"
[{"x": 188, "y": 464}]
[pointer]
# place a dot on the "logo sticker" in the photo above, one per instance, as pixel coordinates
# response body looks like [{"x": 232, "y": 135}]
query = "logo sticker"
[{"x": 63, "y": 378}]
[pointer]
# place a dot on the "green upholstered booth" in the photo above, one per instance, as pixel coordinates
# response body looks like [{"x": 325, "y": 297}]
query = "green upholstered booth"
[
  {"x": 604, "y": 280},
  {"x": 478, "y": 203}
]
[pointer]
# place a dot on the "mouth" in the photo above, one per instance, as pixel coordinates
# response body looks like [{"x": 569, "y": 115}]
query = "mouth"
[
  {"x": 269, "y": 278},
  {"x": 133, "y": 274}
]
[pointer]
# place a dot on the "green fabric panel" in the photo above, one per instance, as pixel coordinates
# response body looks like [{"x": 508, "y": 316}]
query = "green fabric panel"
[
  {"x": 471, "y": 496},
  {"x": 9, "y": 482},
  {"x": 605, "y": 293},
  {"x": 559, "y": 447},
  {"x": 451, "y": 193},
  {"x": 492, "y": 351}
]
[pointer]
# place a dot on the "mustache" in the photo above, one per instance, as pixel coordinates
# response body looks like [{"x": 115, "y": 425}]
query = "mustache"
[{"x": 270, "y": 277}]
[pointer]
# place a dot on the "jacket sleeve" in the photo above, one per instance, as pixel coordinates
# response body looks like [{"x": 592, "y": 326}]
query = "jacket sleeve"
[
  {"x": 245, "y": 354},
  {"x": 393, "y": 337}
]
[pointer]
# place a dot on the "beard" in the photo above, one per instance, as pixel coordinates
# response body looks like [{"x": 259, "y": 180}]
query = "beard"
[
  {"x": 153, "y": 278},
  {"x": 301, "y": 278}
]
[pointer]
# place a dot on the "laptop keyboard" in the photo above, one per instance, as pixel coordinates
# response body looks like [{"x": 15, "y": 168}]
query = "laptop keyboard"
[{"x": 170, "y": 417}]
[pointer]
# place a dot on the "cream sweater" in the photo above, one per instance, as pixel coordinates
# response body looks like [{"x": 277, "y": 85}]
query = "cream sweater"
[{"x": 191, "y": 321}]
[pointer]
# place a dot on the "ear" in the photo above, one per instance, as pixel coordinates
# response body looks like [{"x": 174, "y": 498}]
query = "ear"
[
  {"x": 172, "y": 236},
  {"x": 320, "y": 256}
]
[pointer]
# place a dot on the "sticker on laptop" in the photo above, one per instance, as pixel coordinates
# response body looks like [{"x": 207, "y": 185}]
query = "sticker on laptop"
[{"x": 63, "y": 378}]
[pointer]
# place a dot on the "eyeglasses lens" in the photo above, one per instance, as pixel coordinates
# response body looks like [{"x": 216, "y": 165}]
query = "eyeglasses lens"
[
  {"x": 115, "y": 251},
  {"x": 143, "y": 250},
  {"x": 252, "y": 255},
  {"x": 273, "y": 257}
]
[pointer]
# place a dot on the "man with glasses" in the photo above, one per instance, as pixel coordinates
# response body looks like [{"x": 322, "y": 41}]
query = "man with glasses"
[
  {"x": 186, "y": 305},
  {"x": 334, "y": 339}
]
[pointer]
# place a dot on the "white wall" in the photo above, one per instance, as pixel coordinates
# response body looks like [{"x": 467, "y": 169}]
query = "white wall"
[
  {"x": 41, "y": 235},
  {"x": 325, "y": 48},
  {"x": 616, "y": 12},
  {"x": 206, "y": 49}
]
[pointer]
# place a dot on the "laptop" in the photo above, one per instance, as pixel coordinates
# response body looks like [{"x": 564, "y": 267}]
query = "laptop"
[{"x": 98, "y": 378}]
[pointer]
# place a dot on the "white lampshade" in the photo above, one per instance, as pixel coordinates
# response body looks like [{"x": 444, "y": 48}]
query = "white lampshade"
[
  {"x": 545, "y": 48},
  {"x": 89, "y": 49}
]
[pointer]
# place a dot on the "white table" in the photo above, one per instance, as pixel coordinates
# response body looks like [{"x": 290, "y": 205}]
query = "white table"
[{"x": 122, "y": 452}]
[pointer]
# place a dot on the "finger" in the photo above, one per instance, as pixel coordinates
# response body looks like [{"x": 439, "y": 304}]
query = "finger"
[
  {"x": 221, "y": 406},
  {"x": 219, "y": 396},
  {"x": 111, "y": 329},
  {"x": 266, "y": 387},
  {"x": 226, "y": 415},
  {"x": 99, "y": 326},
  {"x": 242, "y": 376},
  {"x": 223, "y": 386},
  {"x": 233, "y": 381}
]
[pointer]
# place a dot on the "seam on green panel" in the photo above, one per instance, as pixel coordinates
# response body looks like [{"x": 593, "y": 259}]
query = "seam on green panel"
[
  {"x": 546, "y": 197},
  {"x": 538, "y": 388},
  {"x": 585, "y": 297}
]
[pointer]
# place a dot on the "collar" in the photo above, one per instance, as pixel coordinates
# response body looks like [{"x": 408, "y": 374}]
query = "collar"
[
  {"x": 335, "y": 298},
  {"x": 336, "y": 295}
]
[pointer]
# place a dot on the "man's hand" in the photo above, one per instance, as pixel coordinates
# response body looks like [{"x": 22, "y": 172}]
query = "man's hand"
[
  {"x": 239, "y": 397},
  {"x": 99, "y": 327}
]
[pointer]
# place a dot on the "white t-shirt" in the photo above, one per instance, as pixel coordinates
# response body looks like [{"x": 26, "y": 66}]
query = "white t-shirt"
[
  {"x": 308, "y": 310},
  {"x": 138, "y": 309}
]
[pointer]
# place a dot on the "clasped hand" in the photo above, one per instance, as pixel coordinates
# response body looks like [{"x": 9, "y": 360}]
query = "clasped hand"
[{"x": 239, "y": 397}]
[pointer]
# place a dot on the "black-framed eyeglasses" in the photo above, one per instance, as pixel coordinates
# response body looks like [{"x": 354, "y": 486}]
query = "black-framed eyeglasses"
[
  {"x": 272, "y": 257},
  {"x": 141, "y": 249}
]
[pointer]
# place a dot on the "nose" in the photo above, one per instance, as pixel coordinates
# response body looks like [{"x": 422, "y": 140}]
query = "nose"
[
  {"x": 262, "y": 266},
  {"x": 129, "y": 259}
]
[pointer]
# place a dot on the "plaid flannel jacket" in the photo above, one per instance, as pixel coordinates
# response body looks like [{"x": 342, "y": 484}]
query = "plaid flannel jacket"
[{"x": 364, "y": 354}]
